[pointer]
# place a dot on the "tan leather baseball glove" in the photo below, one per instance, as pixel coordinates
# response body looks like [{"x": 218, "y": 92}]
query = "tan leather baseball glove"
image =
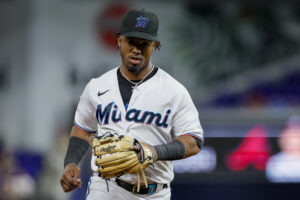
[{"x": 115, "y": 157}]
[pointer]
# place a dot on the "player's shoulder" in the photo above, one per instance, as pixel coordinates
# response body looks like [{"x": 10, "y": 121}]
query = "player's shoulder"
[
  {"x": 103, "y": 79},
  {"x": 101, "y": 82},
  {"x": 106, "y": 76},
  {"x": 170, "y": 82}
]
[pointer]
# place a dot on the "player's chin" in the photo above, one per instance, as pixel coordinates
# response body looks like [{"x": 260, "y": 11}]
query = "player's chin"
[{"x": 135, "y": 68}]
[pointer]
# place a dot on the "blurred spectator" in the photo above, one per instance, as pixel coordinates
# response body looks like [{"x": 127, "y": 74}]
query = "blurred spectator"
[
  {"x": 285, "y": 165},
  {"x": 15, "y": 182}
]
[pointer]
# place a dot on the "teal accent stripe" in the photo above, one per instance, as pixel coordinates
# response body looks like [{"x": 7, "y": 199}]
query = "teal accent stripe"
[
  {"x": 85, "y": 130},
  {"x": 196, "y": 136}
]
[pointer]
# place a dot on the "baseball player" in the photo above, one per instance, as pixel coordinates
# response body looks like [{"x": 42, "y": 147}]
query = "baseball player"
[{"x": 136, "y": 100}]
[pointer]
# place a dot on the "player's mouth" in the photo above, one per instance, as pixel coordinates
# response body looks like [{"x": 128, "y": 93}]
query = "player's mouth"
[{"x": 135, "y": 60}]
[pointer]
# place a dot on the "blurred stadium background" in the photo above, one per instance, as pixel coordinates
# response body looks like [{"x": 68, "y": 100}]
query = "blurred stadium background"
[{"x": 240, "y": 60}]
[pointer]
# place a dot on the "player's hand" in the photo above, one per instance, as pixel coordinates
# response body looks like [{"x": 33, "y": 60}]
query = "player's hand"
[
  {"x": 70, "y": 179},
  {"x": 138, "y": 150}
]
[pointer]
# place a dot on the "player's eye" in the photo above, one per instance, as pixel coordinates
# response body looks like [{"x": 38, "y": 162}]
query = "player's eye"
[
  {"x": 145, "y": 44},
  {"x": 131, "y": 42}
]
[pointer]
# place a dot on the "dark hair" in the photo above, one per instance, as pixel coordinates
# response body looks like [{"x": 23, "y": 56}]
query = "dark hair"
[{"x": 158, "y": 45}]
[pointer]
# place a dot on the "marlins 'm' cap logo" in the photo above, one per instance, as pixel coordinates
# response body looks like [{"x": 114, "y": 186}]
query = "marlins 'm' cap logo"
[{"x": 141, "y": 22}]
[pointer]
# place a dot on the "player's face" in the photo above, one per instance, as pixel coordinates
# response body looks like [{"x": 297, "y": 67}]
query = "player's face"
[{"x": 136, "y": 53}]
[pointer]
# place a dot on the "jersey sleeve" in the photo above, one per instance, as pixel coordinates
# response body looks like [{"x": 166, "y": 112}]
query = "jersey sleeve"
[
  {"x": 85, "y": 117},
  {"x": 186, "y": 119}
]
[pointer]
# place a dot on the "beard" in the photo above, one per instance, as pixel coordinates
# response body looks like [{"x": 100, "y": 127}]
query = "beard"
[{"x": 135, "y": 69}]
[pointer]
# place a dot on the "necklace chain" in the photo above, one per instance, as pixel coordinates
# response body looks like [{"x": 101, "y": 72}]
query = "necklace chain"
[{"x": 138, "y": 83}]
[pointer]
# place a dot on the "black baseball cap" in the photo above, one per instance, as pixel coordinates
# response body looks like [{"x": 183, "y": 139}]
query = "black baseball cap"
[{"x": 140, "y": 24}]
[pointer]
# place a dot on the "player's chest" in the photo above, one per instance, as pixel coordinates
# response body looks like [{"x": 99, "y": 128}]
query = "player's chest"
[{"x": 144, "y": 109}]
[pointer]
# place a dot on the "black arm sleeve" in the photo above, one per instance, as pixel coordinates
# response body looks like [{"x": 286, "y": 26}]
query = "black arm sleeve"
[
  {"x": 76, "y": 150},
  {"x": 172, "y": 151}
]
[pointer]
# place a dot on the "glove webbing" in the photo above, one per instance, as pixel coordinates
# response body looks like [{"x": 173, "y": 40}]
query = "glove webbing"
[{"x": 139, "y": 180}]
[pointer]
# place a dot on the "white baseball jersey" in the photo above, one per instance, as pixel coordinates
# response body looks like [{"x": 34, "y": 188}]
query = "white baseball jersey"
[{"x": 160, "y": 109}]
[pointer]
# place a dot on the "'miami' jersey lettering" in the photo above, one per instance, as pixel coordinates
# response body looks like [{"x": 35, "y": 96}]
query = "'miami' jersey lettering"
[{"x": 111, "y": 111}]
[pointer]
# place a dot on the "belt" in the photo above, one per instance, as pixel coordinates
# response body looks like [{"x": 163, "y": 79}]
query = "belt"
[{"x": 152, "y": 188}]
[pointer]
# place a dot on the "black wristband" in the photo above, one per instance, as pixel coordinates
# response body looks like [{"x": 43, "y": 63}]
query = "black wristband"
[
  {"x": 171, "y": 151},
  {"x": 76, "y": 150}
]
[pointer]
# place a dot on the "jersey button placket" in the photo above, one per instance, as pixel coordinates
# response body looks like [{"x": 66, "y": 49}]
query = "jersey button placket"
[
  {"x": 131, "y": 104},
  {"x": 133, "y": 98}
]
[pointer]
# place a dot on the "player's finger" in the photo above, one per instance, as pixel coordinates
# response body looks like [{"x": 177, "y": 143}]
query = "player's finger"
[
  {"x": 69, "y": 183},
  {"x": 71, "y": 174},
  {"x": 79, "y": 182},
  {"x": 76, "y": 182},
  {"x": 67, "y": 177},
  {"x": 135, "y": 148},
  {"x": 63, "y": 180},
  {"x": 72, "y": 170},
  {"x": 66, "y": 185},
  {"x": 75, "y": 172},
  {"x": 69, "y": 186}
]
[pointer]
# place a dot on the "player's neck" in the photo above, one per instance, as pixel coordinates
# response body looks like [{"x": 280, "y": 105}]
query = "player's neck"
[{"x": 132, "y": 76}]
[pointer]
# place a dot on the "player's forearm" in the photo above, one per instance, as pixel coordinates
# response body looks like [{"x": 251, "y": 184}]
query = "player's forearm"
[
  {"x": 78, "y": 146},
  {"x": 190, "y": 145},
  {"x": 182, "y": 147},
  {"x": 76, "y": 132}
]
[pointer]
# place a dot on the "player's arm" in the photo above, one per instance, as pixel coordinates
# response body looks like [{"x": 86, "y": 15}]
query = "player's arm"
[
  {"x": 192, "y": 146},
  {"x": 78, "y": 145},
  {"x": 186, "y": 129},
  {"x": 182, "y": 147},
  {"x": 79, "y": 133}
]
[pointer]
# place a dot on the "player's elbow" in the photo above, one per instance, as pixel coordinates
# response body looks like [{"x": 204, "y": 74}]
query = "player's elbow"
[
  {"x": 196, "y": 150},
  {"x": 192, "y": 150}
]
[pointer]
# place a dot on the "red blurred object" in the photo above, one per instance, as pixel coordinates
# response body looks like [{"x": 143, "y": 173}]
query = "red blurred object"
[
  {"x": 108, "y": 23},
  {"x": 254, "y": 150}
]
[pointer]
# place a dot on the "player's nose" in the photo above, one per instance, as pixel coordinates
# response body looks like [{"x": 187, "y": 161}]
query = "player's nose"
[{"x": 136, "y": 50}]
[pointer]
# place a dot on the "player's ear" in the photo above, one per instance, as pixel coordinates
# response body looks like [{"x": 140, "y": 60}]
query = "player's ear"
[
  {"x": 153, "y": 46},
  {"x": 119, "y": 41}
]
